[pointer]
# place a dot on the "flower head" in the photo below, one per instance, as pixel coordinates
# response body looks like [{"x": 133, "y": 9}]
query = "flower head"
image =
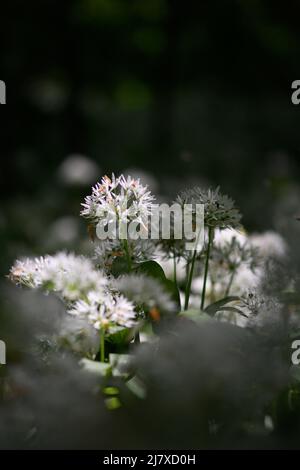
[
  {"x": 27, "y": 272},
  {"x": 108, "y": 312},
  {"x": 120, "y": 200},
  {"x": 71, "y": 276},
  {"x": 219, "y": 209}
]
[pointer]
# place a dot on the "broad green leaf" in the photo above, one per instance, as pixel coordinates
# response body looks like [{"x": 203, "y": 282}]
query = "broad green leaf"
[
  {"x": 119, "y": 266},
  {"x": 154, "y": 270},
  {"x": 121, "y": 337},
  {"x": 212, "y": 309},
  {"x": 235, "y": 310}
]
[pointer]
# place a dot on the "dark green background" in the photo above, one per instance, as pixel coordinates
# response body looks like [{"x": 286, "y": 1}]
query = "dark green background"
[{"x": 192, "y": 92}]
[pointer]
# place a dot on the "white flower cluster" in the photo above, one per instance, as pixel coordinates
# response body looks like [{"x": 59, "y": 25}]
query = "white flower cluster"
[
  {"x": 238, "y": 257},
  {"x": 269, "y": 244},
  {"x": 27, "y": 272},
  {"x": 85, "y": 289},
  {"x": 106, "y": 312},
  {"x": 123, "y": 199},
  {"x": 70, "y": 275},
  {"x": 66, "y": 274},
  {"x": 219, "y": 209}
]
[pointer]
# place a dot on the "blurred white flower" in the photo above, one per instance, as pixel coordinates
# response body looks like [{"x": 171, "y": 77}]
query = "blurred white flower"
[
  {"x": 246, "y": 279},
  {"x": 78, "y": 170},
  {"x": 27, "y": 272},
  {"x": 64, "y": 230},
  {"x": 168, "y": 266},
  {"x": 71, "y": 276},
  {"x": 269, "y": 244},
  {"x": 222, "y": 237},
  {"x": 145, "y": 292}
]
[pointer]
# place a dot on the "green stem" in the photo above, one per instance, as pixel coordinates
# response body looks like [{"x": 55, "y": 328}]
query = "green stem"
[
  {"x": 210, "y": 238},
  {"x": 174, "y": 270},
  {"x": 175, "y": 278},
  {"x": 230, "y": 283},
  {"x": 128, "y": 257},
  {"x": 129, "y": 264},
  {"x": 189, "y": 281},
  {"x": 137, "y": 338},
  {"x": 102, "y": 346}
]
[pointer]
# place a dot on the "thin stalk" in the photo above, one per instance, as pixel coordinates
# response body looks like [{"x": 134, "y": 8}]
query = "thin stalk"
[
  {"x": 189, "y": 281},
  {"x": 174, "y": 270},
  {"x": 137, "y": 338},
  {"x": 129, "y": 264},
  {"x": 175, "y": 277},
  {"x": 230, "y": 283},
  {"x": 102, "y": 347},
  {"x": 210, "y": 238},
  {"x": 128, "y": 257}
]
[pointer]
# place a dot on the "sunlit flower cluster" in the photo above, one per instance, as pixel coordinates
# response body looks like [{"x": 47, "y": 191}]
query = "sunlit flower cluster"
[
  {"x": 27, "y": 272},
  {"x": 107, "y": 312},
  {"x": 120, "y": 199},
  {"x": 130, "y": 282},
  {"x": 66, "y": 274}
]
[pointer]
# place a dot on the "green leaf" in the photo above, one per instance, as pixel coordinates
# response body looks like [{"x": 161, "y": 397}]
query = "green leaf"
[
  {"x": 120, "y": 337},
  {"x": 235, "y": 310},
  {"x": 154, "y": 270},
  {"x": 212, "y": 309},
  {"x": 119, "y": 266}
]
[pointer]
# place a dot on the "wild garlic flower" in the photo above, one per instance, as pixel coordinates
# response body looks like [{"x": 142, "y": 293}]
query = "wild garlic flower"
[
  {"x": 269, "y": 244},
  {"x": 258, "y": 304},
  {"x": 219, "y": 210},
  {"x": 118, "y": 200},
  {"x": 107, "y": 251},
  {"x": 27, "y": 272},
  {"x": 232, "y": 249},
  {"x": 144, "y": 292},
  {"x": 68, "y": 275},
  {"x": 105, "y": 312}
]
